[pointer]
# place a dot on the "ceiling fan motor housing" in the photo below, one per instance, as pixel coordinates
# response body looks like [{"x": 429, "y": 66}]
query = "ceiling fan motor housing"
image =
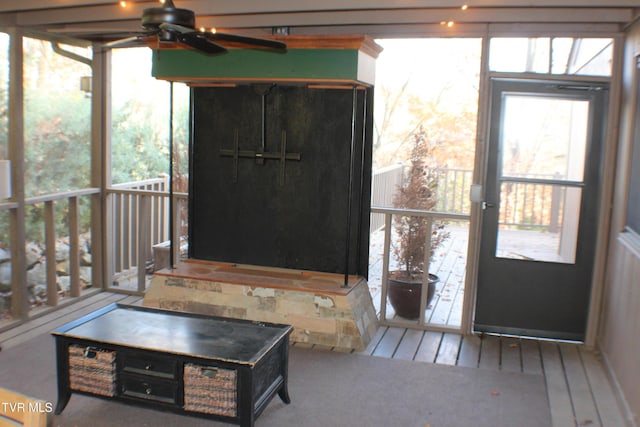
[{"x": 154, "y": 16}]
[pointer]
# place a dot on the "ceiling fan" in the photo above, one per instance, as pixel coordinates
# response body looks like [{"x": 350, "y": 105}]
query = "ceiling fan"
[{"x": 171, "y": 24}]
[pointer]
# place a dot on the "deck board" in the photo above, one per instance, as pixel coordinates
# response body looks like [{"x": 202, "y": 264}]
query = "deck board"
[
  {"x": 583, "y": 403},
  {"x": 374, "y": 341},
  {"x": 53, "y": 320},
  {"x": 389, "y": 342},
  {"x": 469, "y": 354},
  {"x": 490, "y": 352},
  {"x": 448, "y": 351},
  {"x": 442, "y": 302},
  {"x": 531, "y": 358},
  {"x": 409, "y": 345},
  {"x": 557, "y": 388},
  {"x": 429, "y": 346},
  {"x": 574, "y": 377},
  {"x": 510, "y": 357},
  {"x": 606, "y": 404},
  {"x": 38, "y": 319},
  {"x": 449, "y": 263}
]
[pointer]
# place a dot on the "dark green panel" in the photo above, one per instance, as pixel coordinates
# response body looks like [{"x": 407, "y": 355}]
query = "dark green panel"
[{"x": 309, "y": 64}]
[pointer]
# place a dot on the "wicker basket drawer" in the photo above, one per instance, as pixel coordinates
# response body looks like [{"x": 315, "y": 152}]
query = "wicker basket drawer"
[
  {"x": 92, "y": 370},
  {"x": 210, "y": 390}
]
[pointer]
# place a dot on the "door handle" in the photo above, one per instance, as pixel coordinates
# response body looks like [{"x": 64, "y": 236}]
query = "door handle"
[{"x": 486, "y": 205}]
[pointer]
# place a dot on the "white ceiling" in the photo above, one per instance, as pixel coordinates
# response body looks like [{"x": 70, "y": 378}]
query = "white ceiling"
[{"x": 100, "y": 19}]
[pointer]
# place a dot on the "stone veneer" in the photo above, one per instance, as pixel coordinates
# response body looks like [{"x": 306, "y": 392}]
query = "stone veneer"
[{"x": 320, "y": 309}]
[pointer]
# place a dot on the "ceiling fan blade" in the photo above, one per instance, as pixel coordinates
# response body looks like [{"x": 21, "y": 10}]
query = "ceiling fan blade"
[
  {"x": 192, "y": 38},
  {"x": 175, "y": 28},
  {"x": 199, "y": 41},
  {"x": 253, "y": 41},
  {"x": 128, "y": 41}
]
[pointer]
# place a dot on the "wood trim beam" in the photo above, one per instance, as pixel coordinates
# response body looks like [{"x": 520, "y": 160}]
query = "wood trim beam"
[
  {"x": 111, "y": 18},
  {"x": 250, "y": 6}
]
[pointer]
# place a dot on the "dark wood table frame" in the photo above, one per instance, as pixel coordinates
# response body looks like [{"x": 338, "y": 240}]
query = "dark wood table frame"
[{"x": 139, "y": 356}]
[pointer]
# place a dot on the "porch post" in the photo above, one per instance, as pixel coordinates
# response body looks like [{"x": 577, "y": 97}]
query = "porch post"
[
  {"x": 20, "y": 298},
  {"x": 102, "y": 273}
]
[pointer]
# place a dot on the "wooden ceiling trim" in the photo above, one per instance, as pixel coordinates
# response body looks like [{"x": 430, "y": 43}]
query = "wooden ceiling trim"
[
  {"x": 251, "y": 6},
  {"x": 338, "y": 16},
  {"x": 113, "y": 22}
]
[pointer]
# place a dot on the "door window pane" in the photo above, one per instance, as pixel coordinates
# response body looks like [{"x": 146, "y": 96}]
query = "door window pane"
[
  {"x": 544, "y": 137},
  {"x": 538, "y": 222}
]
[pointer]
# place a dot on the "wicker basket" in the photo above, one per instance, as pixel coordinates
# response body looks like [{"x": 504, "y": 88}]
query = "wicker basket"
[
  {"x": 210, "y": 390},
  {"x": 92, "y": 370}
]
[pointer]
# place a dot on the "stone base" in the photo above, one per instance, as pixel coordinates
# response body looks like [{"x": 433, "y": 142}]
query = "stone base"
[{"x": 319, "y": 308}]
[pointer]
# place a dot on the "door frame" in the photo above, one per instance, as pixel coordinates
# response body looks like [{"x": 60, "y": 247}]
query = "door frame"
[
  {"x": 607, "y": 184},
  {"x": 512, "y": 291}
]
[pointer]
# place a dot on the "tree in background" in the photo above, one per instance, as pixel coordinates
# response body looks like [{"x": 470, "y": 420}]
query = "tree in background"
[
  {"x": 421, "y": 85},
  {"x": 58, "y": 131},
  {"x": 418, "y": 191}
]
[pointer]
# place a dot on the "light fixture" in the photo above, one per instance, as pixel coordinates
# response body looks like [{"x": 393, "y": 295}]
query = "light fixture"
[
  {"x": 5, "y": 179},
  {"x": 280, "y": 31},
  {"x": 465, "y": 7},
  {"x": 85, "y": 84},
  {"x": 124, "y": 3}
]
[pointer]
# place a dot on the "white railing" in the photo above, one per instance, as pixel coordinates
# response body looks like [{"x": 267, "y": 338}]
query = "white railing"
[
  {"x": 522, "y": 204},
  {"x": 431, "y": 218},
  {"x": 137, "y": 218}
]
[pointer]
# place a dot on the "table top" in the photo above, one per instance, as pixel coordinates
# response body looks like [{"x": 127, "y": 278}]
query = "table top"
[{"x": 233, "y": 340}]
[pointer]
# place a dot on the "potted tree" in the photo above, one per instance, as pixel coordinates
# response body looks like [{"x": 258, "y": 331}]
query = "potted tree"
[{"x": 416, "y": 192}]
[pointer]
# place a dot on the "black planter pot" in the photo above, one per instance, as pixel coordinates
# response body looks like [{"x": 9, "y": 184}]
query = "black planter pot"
[{"x": 404, "y": 295}]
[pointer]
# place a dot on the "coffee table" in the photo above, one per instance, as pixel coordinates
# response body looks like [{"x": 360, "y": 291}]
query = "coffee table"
[{"x": 221, "y": 368}]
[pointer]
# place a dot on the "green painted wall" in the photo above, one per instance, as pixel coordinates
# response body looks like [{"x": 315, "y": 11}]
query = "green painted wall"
[{"x": 307, "y": 64}]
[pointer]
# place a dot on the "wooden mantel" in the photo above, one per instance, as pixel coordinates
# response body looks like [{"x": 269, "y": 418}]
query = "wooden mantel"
[{"x": 309, "y": 59}]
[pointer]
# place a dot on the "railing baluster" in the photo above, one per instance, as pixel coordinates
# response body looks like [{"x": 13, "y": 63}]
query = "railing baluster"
[
  {"x": 385, "y": 266},
  {"x": 135, "y": 224},
  {"x": 50, "y": 253},
  {"x": 176, "y": 231},
  {"x": 165, "y": 209},
  {"x": 117, "y": 231},
  {"x": 144, "y": 231},
  {"x": 425, "y": 275},
  {"x": 126, "y": 233},
  {"x": 74, "y": 247}
]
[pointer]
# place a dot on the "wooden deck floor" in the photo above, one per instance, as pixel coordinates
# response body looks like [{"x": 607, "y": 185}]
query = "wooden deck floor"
[
  {"x": 578, "y": 389},
  {"x": 448, "y": 263}
]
